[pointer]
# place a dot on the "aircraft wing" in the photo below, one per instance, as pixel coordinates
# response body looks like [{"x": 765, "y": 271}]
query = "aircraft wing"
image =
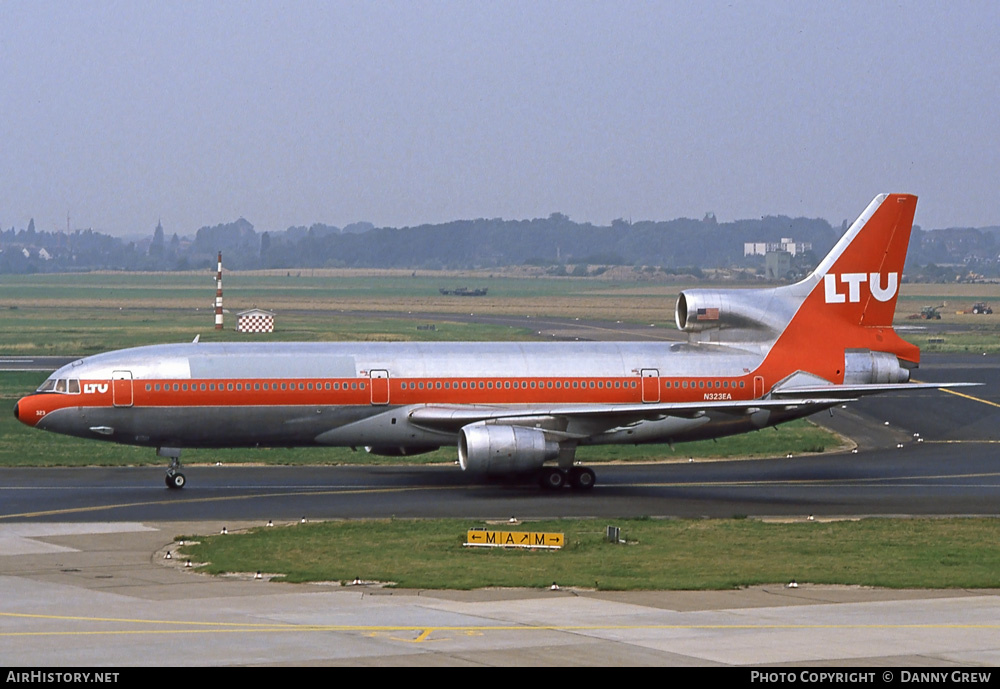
[{"x": 453, "y": 417}]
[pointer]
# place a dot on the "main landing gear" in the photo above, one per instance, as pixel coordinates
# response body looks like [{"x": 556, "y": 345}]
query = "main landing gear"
[
  {"x": 174, "y": 479},
  {"x": 579, "y": 478}
]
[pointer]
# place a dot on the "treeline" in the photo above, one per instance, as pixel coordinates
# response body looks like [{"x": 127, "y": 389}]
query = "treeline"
[{"x": 556, "y": 241}]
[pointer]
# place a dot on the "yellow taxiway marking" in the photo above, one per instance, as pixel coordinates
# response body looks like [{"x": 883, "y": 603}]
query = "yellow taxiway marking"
[
  {"x": 147, "y": 503},
  {"x": 423, "y": 633},
  {"x": 969, "y": 397},
  {"x": 860, "y": 482},
  {"x": 962, "y": 394}
]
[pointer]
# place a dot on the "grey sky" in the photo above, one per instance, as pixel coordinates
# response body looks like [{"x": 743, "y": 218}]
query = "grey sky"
[{"x": 401, "y": 113}]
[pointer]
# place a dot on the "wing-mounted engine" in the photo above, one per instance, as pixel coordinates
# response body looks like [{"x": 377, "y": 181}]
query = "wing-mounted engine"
[
  {"x": 733, "y": 315},
  {"x": 500, "y": 449}
]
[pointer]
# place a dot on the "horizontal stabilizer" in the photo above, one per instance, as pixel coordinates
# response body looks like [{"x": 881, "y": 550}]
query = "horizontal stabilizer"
[{"x": 844, "y": 392}]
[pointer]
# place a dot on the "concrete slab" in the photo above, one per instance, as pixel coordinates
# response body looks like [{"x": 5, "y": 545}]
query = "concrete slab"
[{"x": 105, "y": 597}]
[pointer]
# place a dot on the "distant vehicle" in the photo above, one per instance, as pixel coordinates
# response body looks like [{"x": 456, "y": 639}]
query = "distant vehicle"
[
  {"x": 929, "y": 313},
  {"x": 754, "y": 358},
  {"x": 464, "y": 292},
  {"x": 981, "y": 307}
]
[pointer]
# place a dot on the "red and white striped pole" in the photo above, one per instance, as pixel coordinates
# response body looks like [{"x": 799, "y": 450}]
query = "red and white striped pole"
[{"x": 218, "y": 295}]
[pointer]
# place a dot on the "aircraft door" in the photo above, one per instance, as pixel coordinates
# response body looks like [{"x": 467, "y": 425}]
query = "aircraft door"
[
  {"x": 380, "y": 387},
  {"x": 758, "y": 387},
  {"x": 650, "y": 385},
  {"x": 121, "y": 388}
]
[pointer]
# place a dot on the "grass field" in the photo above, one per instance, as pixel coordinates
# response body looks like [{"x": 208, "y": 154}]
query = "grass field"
[
  {"x": 658, "y": 554},
  {"x": 79, "y": 314}
]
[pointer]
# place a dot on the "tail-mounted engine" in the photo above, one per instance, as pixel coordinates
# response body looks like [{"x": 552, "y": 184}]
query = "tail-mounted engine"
[
  {"x": 862, "y": 366},
  {"x": 756, "y": 311}
]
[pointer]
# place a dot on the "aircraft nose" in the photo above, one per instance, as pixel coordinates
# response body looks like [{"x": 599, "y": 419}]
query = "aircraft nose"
[{"x": 23, "y": 413}]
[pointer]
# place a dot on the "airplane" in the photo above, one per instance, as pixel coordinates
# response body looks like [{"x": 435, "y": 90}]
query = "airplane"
[{"x": 754, "y": 358}]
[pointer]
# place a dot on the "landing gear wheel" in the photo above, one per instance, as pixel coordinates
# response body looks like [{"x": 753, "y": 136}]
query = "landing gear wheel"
[
  {"x": 551, "y": 478},
  {"x": 582, "y": 478},
  {"x": 175, "y": 480}
]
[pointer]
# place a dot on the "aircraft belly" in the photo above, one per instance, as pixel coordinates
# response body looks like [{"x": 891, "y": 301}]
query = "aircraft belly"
[{"x": 216, "y": 426}]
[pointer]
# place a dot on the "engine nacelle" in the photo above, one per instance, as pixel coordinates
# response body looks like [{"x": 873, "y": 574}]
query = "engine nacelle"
[
  {"x": 716, "y": 309},
  {"x": 398, "y": 451},
  {"x": 494, "y": 449},
  {"x": 862, "y": 366}
]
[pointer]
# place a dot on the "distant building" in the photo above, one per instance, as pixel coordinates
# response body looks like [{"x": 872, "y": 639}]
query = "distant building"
[
  {"x": 777, "y": 265},
  {"x": 786, "y": 244},
  {"x": 255, "y": 321}
]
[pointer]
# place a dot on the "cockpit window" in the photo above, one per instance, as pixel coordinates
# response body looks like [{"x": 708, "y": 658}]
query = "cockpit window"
[{"x": 69, "y": 386}]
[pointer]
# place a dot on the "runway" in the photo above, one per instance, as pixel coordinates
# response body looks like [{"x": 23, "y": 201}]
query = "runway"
[{"x": 83, "y": 580}]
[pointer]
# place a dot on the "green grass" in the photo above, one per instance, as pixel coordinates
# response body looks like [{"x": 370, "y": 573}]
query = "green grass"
[
  {"x": 976, "y": 341},
  {"x": 659, "y": 554},
  {"x": 42, "y": 330}
]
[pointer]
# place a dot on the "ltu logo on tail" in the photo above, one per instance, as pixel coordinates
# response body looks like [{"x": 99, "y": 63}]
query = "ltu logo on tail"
[{"x": 853, "y": 282}]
